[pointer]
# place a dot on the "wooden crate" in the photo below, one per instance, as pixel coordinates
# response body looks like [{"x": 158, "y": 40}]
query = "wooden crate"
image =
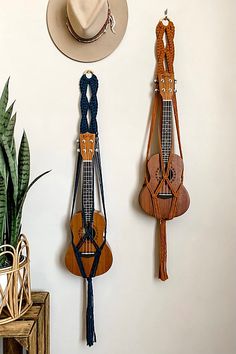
[{"x": 31, "y": 331}]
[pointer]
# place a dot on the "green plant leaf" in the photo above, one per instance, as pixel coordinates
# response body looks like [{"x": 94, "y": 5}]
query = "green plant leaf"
[
  {"x": 3, "y": 104},
  {"x": 9, "y": 131},
  {"x": 6, "y": 118},
  {"x": 3, "y": 208},
  {"x": 11, "y": 214},
  {"x": 23, "y": 167},
  {"x": 36, "y": 179},
  {"x": 12, "y": 167},
  {"x": 15, "y": 228},
  {"x": 2, "y": 165},
  {"x": 13, "y": 149},
  {"x": 10, "y": 140}
]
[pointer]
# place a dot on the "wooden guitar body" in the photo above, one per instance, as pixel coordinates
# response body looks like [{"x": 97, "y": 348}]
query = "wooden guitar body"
[
  {"x": 175, "y": 179},
  {"x": 88, "y": 249}
]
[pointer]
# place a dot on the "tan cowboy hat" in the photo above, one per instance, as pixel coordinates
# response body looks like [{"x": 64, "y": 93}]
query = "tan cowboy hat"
[{"x": 87, "y": 30}]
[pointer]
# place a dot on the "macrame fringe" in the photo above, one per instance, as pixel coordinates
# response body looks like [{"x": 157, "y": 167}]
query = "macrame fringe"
[
  {"x": 163, "y": 252},
  {"x": 91, "y": 335}
]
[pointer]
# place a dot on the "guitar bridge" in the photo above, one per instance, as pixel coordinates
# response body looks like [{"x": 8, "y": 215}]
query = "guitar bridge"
[
  {"x": 87, "y": 254},
  {"x": 165, "y": 195}
]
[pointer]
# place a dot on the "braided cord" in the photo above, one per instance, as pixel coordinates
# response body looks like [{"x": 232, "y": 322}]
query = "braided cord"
[
  {"x": 87, "y": 106},
  {"x": 165, "y": 53}
]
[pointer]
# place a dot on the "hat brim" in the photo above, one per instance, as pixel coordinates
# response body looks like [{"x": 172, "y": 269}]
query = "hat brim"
[{"x": 85, "y": 52}]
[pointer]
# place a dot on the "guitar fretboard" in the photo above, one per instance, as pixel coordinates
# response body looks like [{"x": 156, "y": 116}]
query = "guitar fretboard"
[
  {"x": 166, "y": 132},
  {"x": 88, "y": 190}
]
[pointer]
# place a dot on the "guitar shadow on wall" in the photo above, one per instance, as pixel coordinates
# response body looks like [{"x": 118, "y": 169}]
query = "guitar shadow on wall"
[{"x": 141, "y": 175}]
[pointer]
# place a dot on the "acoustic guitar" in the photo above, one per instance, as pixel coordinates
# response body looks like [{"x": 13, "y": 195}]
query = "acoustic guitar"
[
  {"x": 165, "y": 169},
  {"x": 88, "y": 226}
]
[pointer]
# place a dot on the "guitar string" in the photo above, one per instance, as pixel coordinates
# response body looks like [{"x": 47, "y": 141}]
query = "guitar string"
[
  {"x": 88, "y": 196},
  {"x": 168, "y": 141},
  {"x": 87, "y": 200},
  {"x": 166, "y": 137},
  {"x": 84, "y": 184}
]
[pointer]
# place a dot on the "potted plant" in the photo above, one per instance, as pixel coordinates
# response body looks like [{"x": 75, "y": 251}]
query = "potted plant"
[{"x": 15, "y": 291}]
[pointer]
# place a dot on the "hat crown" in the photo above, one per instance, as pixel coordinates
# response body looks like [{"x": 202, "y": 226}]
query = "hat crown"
[{"x": 87, "y": 17}]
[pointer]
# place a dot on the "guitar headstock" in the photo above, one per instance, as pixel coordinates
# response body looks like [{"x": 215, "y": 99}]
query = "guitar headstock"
[
  {"x": 166, "y": 85},
  {"x": 87, "y": 144}
]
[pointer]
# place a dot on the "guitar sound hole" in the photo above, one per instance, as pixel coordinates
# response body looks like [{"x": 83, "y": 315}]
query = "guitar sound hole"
[{"x": 172, "y": 175}]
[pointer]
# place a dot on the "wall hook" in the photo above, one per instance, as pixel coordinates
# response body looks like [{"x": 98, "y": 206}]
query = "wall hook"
[
  {"x": 88, "y": 73},
  {"x": 166, "y": 18},
  {"x": 166, "y": 12}
]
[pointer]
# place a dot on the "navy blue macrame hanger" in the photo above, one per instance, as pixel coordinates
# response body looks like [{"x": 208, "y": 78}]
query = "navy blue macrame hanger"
[{"x": 88, "y": 123}]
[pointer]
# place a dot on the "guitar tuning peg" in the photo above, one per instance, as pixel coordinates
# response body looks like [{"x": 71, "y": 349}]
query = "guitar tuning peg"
[
  {"x": 175, "y": 90},
  {"x": 156, "y": 90},
  {"x": 155, "y": 81}
]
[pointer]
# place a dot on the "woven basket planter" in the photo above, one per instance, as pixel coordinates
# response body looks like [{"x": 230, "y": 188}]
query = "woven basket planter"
[{"x": 15, "y": 289}]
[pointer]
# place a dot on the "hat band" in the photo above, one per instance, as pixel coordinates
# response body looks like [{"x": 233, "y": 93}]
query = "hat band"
[{"x": 109, "y": 21}]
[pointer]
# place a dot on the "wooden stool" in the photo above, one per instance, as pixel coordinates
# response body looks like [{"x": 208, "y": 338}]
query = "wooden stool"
[{"x": 31, "y": 331}]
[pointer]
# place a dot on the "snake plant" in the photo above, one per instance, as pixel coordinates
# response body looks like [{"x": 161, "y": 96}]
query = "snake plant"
[{"x": 14, "y": 175}]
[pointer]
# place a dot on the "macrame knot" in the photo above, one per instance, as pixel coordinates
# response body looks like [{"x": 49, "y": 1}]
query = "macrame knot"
[
  {"x": 89, "y": 232},
  {"x": 165, "y": 176}
]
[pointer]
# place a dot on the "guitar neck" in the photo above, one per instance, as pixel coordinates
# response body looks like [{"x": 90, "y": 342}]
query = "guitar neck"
[
  {"x": 166, "y": 131},
  {"x": 88, "y": 191}
]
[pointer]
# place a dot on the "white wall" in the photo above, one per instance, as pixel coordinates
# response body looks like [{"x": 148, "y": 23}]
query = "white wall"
[{"x": 194, "y": 311}]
